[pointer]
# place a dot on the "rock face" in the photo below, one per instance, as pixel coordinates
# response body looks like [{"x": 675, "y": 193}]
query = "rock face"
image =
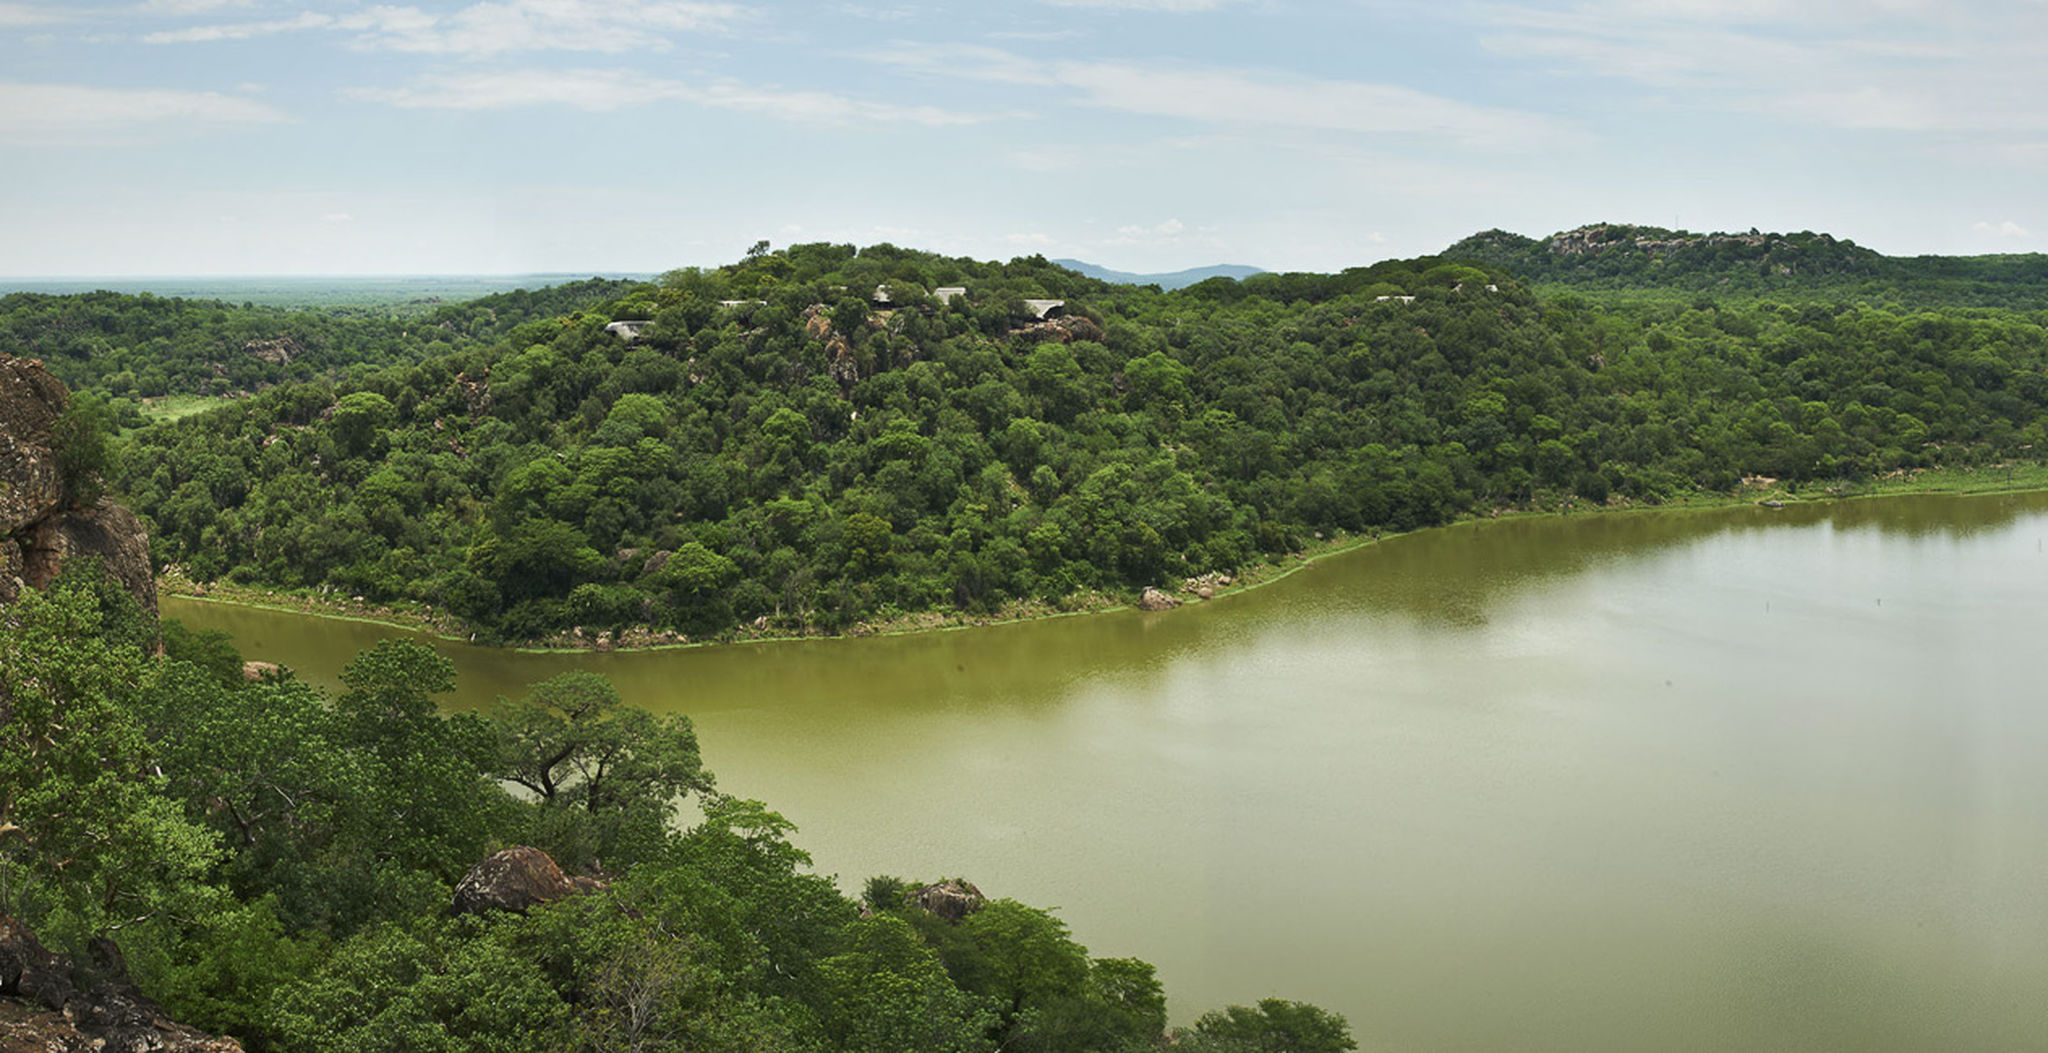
[
  {"x": 45, "y": 1008},
  {"x": 952, "y": 899},
  {"x": 517, "y": 880},
  {"x": 1154, "y": 600},
  {"x": 39, "y": 531}
]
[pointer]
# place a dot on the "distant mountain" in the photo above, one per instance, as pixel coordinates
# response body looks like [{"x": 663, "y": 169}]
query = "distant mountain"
[
  {"x": 1169, "y": 282},
  {"x": 1621, "y": 256}
]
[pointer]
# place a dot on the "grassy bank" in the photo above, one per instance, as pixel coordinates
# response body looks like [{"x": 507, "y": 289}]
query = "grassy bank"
[{"x": 329, "y": 604}]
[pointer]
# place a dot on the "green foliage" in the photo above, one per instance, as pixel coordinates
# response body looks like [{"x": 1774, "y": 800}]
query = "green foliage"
[
  {"x": 88, "y": 837},
  {"x": 607, "y": 778},
  {"x": 286, "y": 877},
  {"x": 810, "y": 462},
  {"x": 1275, "y": 1025},
  {"x": 79, "y": 438},
  {"x": 428, "y": 986},
  {"x": 211, "y": 650},
  {"x": 887, "y": 993}
]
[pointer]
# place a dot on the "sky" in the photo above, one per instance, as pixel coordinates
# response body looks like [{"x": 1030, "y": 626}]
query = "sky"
[{"x": 258, "y": 137}]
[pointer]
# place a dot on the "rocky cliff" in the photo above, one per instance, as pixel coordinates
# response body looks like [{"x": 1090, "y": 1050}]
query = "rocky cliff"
[
  {"x": 41, "y": 527},
  {"x": 48, "y": 1005}
]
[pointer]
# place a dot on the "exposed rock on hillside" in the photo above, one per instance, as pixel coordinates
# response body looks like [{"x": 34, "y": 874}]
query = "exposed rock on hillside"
[
  {"x": 952, "y": 899},
  {"x": 46, "y": 1008},
  {"x": 1155, "y": 600},
  {"x": 517, "y": 880},
  {"x": 39, "y": 530}
]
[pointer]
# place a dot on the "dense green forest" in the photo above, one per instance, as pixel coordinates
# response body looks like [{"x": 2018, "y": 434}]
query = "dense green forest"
[
  {"x": 277, "y": 863},
  {"x": 1655, "y": 262},
  {"x": 129, "y": 347},
  {"x": 812, "y": 438}
]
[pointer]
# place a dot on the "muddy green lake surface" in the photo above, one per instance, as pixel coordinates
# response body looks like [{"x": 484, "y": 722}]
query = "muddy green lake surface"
[{"x": 1744, "y": 779}]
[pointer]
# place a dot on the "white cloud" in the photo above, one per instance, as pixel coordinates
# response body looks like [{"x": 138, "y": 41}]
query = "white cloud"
[
  {"x": 1243, "y": 98},
  {"x": 1034, "y": 240},
  {"x": 1177, "y": 6},
  {"x": 188, "y": 7},
  {"x": 604, "y": 90},
  {"x": 75, "y": 112},
  {"x": 2007, "y": 229},
  {"x": 1887, "y": 65},
  {"x": 12, "y": 15},
  {"x": 1167, "y": 232},
  {"x": 1266, "y": 100},
  {"x": 494, "y": 27},
  {"x": 239, "y": 30}
]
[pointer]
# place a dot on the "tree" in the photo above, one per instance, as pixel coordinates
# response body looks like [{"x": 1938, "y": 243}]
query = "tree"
[
  {"x": 425, "y": 986},
  {"x": 434, "y": 805},
  {"x": 887, "y": 993},
  {"x": 89, "y": 840},
  {"x": 1274, "y": 1026},
  {"x": 607, "y": 777},
  {"x": 357, "y": 419}
]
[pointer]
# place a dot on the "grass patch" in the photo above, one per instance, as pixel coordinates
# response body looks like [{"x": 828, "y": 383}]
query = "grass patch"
[{"x": 178, "y": 407}]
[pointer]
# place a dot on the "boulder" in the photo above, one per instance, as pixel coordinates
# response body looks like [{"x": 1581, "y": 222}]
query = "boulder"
[
  {"x": 43, "y": 1009},
  {"x": 517, "y": 880},
  {"x": 30, "y": 400},
  {"x": 1155, "y": 600},
  {"x": 253, "y": 670},
  {"x": 107, "y": 531},
  {"x": 951, "y": 899},
  {"x": 40, "y": 530},
  {"x": 28, "y": 970}
]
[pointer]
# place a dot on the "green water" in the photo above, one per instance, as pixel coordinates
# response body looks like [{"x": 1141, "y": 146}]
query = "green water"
[{"x": 1731, "y": 780}]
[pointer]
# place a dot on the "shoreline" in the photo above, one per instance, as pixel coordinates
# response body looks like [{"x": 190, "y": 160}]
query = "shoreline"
[{"x": 1770, "y": 493}]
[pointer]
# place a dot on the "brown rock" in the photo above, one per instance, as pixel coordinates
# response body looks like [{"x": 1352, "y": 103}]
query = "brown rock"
[
  {"x": 105, "y": 530},
  {"x": 952, "y": 899},
  {"x": 30, "y": 400},
  {"x": 10, "y": 570},
  {"x": 253, "y": 670},
  {"x": 1155, "y": 600},
  {"x": 1205, "y": 592},
  {"x": 278, "y": 350},
  {"x": 38, "y": 533},
  {"x": 517, "y": 880},
  {"x": 43, "y": 1010}
]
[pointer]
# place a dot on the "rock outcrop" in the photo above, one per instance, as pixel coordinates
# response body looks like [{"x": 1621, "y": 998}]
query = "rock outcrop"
[
  {"x": 40, "y": 530},
  {"x": 48, "y": 1006},
  {"x": 1154, "y": 600},
  {"x": 952, "y": 899},
  {"x": 518, "y": 880}
]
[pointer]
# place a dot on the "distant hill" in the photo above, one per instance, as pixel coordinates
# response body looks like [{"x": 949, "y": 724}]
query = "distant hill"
[
  {"x": 1625, "y": 257},
  {"x": 1169, "y": 282}
]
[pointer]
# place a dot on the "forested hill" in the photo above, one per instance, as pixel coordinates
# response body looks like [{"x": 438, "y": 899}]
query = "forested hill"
[
  {"x": 1805, "y": 265},
  {"x": 1169, "y": 281},
  {"x": 135, "y": 346},
  {"x": 815, "y": 437}
]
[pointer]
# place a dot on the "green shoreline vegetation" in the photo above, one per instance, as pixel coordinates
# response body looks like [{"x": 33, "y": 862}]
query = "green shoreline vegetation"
[
  {"x": 1993, "y": 479},
  {"x": 278, "y": 863}
]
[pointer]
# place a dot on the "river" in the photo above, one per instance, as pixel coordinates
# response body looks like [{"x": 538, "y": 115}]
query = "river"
[{"x": 1713, "y": 780}]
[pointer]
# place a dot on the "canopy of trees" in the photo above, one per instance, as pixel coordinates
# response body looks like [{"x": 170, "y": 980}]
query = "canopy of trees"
[
  {"x": 782, "y": 446},
  {"x": 276, "y": 863}
]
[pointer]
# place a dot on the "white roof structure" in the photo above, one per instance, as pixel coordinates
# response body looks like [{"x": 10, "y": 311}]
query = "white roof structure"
[{"x": 1043, "y": 309}]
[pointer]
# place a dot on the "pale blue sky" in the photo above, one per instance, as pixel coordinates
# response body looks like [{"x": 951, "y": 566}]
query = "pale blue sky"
[{"x": 258, "y": 136}]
